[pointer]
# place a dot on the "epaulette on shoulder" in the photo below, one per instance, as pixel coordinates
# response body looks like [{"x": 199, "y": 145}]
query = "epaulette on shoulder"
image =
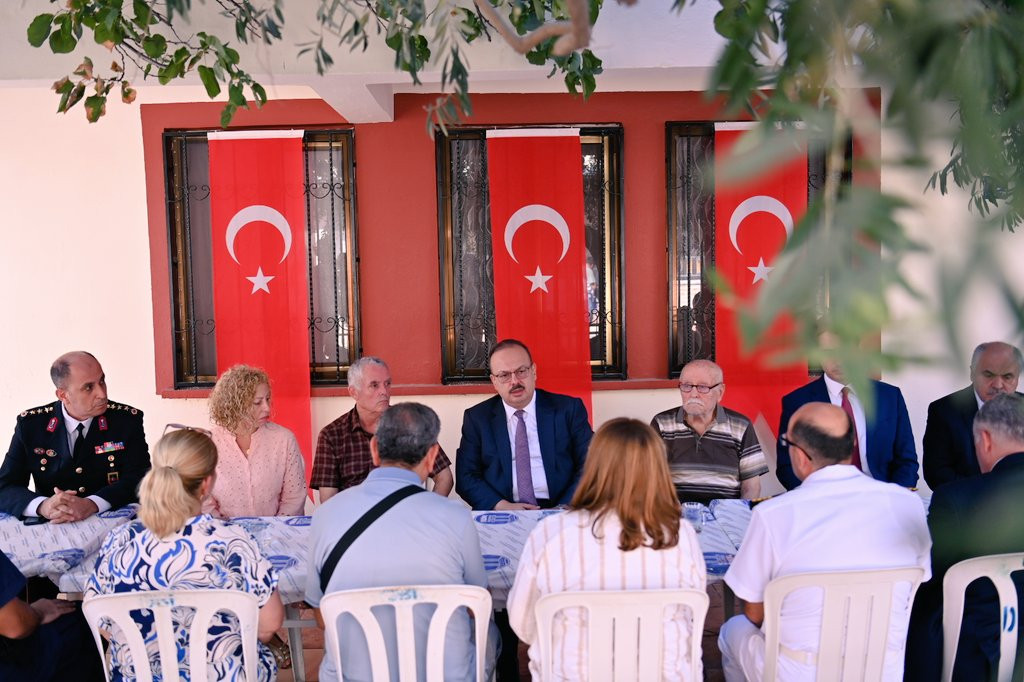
[
  {"x": 42, "y": 409},
  {"x": 121, "y": 407}
]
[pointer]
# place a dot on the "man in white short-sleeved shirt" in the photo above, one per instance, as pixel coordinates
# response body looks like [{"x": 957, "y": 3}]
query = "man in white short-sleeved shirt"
[{"x": 838, "y": 519}]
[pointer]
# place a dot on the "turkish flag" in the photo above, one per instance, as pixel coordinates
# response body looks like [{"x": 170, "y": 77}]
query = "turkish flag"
[
  {"x": 754, "y": 219},
  {"x": 535, "y": 178},
  {"x": 260, "y": 285}
]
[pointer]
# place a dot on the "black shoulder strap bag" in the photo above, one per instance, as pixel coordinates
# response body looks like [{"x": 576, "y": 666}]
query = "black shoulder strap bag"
[{"x": 357, "y": 528}]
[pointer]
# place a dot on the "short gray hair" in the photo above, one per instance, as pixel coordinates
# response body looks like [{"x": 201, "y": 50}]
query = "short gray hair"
[
  {"x": 982, "y": 347},
  {"x": 1004, "y": 415},
  {"x": 355, "y": 370},
  {"x": 405, "y": 433}
]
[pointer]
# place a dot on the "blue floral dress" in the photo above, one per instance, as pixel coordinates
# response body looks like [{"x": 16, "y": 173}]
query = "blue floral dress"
[{"x": 206, "y": 553}]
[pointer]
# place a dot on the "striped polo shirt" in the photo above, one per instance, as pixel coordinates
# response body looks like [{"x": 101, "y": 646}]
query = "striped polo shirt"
[{"x": 710, "y": 466}]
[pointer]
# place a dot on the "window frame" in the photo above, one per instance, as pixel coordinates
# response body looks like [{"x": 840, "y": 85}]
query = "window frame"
[
  {"x": 815, "y": 185},
  {"x": 321, "y": 374},
  {"x": 614, "y": 240}
]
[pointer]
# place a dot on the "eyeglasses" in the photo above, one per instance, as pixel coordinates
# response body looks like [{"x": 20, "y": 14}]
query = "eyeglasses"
[
  {"x": 505, "y": 377},
  {"x": 686, "y": 388},
  {"x": 185, "y": 427},
  {"x": 784, "y": 440}
]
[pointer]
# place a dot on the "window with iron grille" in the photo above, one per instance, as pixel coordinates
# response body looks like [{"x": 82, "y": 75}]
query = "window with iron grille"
[
  {"x": 467, "y": 272},
  {"x": 691, "y": 236},
  {"x": 330, "y": 248}
]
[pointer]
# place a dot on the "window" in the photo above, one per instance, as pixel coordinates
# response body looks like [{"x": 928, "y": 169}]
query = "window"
[
  {"x": 467, "y": 275},
  {"x": 691, "y": 237},
  {"x": 331, "y": 252}
]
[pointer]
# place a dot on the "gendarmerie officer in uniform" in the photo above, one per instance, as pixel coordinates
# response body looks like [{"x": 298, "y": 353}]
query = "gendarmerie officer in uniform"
[{"x": 84, "y": 453}]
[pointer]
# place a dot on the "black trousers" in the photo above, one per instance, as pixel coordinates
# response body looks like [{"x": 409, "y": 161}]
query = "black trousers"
[{"x": 507, "y": 669}]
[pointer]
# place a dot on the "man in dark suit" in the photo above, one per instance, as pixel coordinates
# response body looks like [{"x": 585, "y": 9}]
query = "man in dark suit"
[
  {"x": 551, "y": 431},
  {"x": 884, "y": 447},
  {"x": 948, "y": 439},
  {"x": 522, "y": 449},
  {"x": 973, "y": 517},
  {"x": 84, "y": 453}
]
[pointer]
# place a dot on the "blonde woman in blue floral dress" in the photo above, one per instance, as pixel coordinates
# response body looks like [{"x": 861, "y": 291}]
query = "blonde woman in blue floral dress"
[{"x": 174, "y": 547}]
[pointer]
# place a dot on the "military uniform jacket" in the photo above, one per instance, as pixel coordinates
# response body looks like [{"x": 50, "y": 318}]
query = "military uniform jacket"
[{"x": 116, "y": 457}]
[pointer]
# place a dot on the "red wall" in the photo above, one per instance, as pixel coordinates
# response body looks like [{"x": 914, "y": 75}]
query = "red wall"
[{"x": 396, "y": 205}]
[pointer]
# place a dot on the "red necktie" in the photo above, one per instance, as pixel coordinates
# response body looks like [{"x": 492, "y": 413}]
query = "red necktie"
[{"x": 848, "y": 409}]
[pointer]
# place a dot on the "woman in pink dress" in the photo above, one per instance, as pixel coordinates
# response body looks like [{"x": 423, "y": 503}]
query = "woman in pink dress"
[{"x": 260, "y": 470}]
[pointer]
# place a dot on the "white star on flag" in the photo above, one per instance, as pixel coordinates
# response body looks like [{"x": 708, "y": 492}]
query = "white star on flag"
[
  {"x": 760, "y": 271},
  {"x": 538, "y": 280},
  {"x": 260, "y": 281}
]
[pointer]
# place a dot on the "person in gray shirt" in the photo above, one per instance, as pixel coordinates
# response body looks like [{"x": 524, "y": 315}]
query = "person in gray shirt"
[{"x": 422, "y": 540}]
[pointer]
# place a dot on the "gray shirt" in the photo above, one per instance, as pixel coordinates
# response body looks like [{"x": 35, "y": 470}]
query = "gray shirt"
[{"x": 423, "y": 540}]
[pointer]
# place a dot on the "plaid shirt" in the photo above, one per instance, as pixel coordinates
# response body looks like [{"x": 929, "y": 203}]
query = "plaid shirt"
[
  {"x": 710, "y": 466},
  {"x": 343, "y": 457}
]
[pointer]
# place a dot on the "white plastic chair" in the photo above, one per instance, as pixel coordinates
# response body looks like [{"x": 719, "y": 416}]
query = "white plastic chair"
[
  {"x": 448, "y": 598},
  {"x": 625, "y": 630},
  {"x": 118, "y": 608},
  {"x": 856, "y": 610},
  {"x": 996, "y": 568}
]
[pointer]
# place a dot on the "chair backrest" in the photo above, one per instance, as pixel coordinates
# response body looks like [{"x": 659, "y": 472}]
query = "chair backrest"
[
  {"x": 625, "y": 630},
  {"x": 448, "y": 598},
  {"x": 206, "y": 603},
  {"x": 996, "y": 568},
  {"x": 856, "y": 609}
]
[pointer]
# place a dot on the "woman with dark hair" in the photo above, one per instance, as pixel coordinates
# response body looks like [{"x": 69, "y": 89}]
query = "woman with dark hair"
[
  {"x": 622, "y": 532},
  {"x": 174, "y": 547}
]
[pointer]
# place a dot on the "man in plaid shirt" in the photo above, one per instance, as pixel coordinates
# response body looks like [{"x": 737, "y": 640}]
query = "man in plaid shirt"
[{"x": 343, "y": 457}]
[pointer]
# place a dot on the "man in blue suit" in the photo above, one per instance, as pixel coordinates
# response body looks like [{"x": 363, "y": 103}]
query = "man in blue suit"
[
  {"x": 967, "y": 518},
  {"x": 948, "y": 438},
  {"x": 884, "y": 447},
  {"x": 550, "y": 430},
  {"x": 522, "y": 449}
]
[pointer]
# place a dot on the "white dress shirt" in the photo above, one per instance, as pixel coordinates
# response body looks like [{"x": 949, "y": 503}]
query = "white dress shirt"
[
  {"x": 837, "y": 520},
  {"x": 71, "y": 426},
  {"x": 835, "y": 394},
  {"x": 540, "y": 479}
]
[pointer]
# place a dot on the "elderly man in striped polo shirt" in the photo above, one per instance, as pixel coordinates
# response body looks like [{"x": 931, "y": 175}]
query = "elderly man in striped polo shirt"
[{"x": 713, "y": 451}]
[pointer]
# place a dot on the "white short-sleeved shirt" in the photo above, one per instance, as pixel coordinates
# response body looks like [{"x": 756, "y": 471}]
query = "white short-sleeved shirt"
[
  {"x": 838, "y": 519},
  {"x": 562, "y": 554}
]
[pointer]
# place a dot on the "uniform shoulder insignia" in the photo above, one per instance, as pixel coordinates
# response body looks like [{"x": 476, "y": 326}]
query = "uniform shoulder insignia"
[
  {"x": 32, "y": 411},
  {"x": 121, "y": 407}
]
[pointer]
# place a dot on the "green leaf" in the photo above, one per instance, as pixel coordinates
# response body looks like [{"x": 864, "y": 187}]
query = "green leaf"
[
  {"x": 209, "y": 78},
  {"x": 235, "y": 95},
  {"x": 154, "y": 45},
  {"x": 535, "y": 57},
  {"x": 62, "y": 41},
  {"x": 226, "y": 114},
  {"x": 39, "y": 30},
  {"x": 143, "y": 13},
  {"x": 259, "y": 94},
  {"x": 95, "y": 107}
]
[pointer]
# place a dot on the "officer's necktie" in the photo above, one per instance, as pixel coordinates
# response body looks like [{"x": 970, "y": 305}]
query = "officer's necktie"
[
  {"x": 524, "y": 475},
  {"x": 79, "y": 449}
]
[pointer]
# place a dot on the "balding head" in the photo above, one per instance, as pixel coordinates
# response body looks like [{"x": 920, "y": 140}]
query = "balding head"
[
  {"x": 824, "y": 433},
  {"x": 60, "y": 370},
  {"x": 81, "y": 384}
]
